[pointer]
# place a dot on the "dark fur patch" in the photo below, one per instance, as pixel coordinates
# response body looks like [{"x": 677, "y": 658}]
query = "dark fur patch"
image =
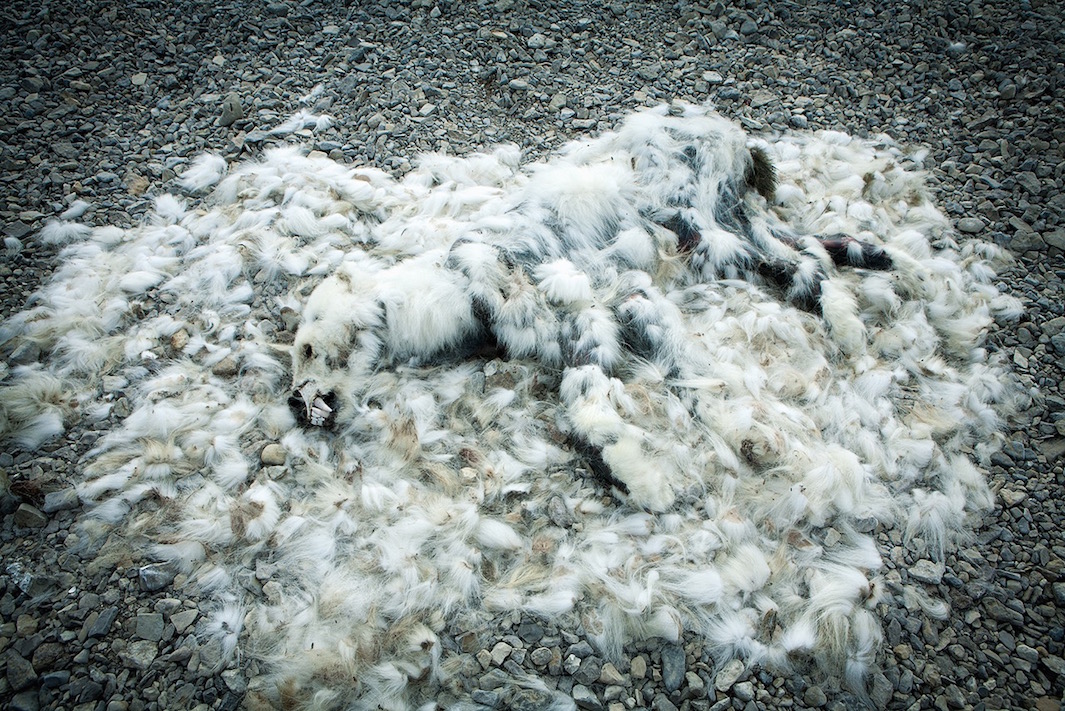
[
  {"x": 597, "y": 466},
  {"x": 761, "y": 174},
  {"x": 839, "y": 247},
  {"x": 687, "y": 236}
]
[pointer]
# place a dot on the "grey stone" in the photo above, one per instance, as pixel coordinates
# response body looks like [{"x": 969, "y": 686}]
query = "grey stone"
[
  {"x": 140, "y": 654},
  {"x": 998, "y": 611},
  {"x": 696, "y": 685},
  {"x": 494, "y": 679},
  {"x": 84, "y": 690},
  {"x": 61, "y": 500},
  {"x": 1025, "y": 241},
  {"x": 500, "y": 652},
  {"x": 571, "y": 664},
  {"x": 585, "y": 698},
  {"x": 1055, "y": 238},
  {"x": 580, "y": 649},
  {"x": 530, "y": 632},
  {"x": 18, "y": 230},
  {"x": 235, "y": 681},
  {"x": 589, "y": 670},
  {"x": 541, "y": 656},
  {"x": 182, "y": 620},
  {"x": 531, "y": 700},
  {"x": 55, "y": 679},
  {"x": 559, "y": 513},
  {"x": 609, "y": 674},
  {"x": 927, "y": 572},
  {"x": 662, "y": 703},
  {"x": 815, "y": 697},
  {"x": 1027, "y": 653},
  {"x": 156, "y": 576},
  {"x": 226, "y": 368},
  {"x": 748, "y": 27},
  {"x": 743, "y": 690},
  {"x": 150, "y": 626},
  {"x": 25, "y": 353},
  {"x": 20, "y": 673},
  {"x": 103, "y": 622},
  {"x": 26, "y": 701},
  {"x": 649, "y": 72},
  {"x": 970, "y": 225},
  {"x": 1055, "y": 664},
  {"x": 28, "y": 516},
  {"x": 674, "y": 664},
  {"x": 1012, "y": 497},
  {"x": 231, "y": 110},
  {"x": 728, "y": 675},
  {"x": 1054, "y": 326},
  {"x": 491, "y": 699}
]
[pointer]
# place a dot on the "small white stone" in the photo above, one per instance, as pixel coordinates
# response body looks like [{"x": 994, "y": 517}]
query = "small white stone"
[{"x": 500, "y": 652}]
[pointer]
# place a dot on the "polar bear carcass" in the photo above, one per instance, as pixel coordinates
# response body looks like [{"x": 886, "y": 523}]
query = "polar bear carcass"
[{"x": 576, "y": 267}]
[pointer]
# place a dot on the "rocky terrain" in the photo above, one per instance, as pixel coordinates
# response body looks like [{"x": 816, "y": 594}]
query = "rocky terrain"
[{"x": 108, "y": 102}]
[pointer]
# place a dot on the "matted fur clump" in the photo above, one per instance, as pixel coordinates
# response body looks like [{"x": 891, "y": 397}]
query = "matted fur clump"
[{"x": 761, "y": 398}]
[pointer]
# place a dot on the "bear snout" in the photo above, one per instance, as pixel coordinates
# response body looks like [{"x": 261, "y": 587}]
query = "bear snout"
[{"x": 313, "y": 407}]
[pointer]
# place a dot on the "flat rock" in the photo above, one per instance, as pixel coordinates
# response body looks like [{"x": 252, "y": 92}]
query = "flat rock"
[
  {"x": 28, "y": 516},
  {"x": 156, "y": 576},
  {"x": 728, "y": 675},
  {"x": 585, "y": 698},
  {"x": 150, "y": 626},
  {"x": 61, "y": 500},
  {"x": 272, "y": 455},
  {"x": 1011, "y": 497},
  {"x": 1055, "y": 664},
  {"x": 609, "y": 674},
  {"x": 500, "y": 652},
  {"x": 1055, "y": 238},
  {"x": 20, "y": 673},
  {"x": 182, "y": 620},
  {"x": 999, "y": 611},
  {"x": 231, "y": 110},
  {"x": 815, "y": 697},
  {"x": 674, "y": 665},
  {"x": 102, "y": 625},
  {"x": 970, "y": 225},
  {"x": 140, "y": 654},
  {"x": 927, "y": 572}
]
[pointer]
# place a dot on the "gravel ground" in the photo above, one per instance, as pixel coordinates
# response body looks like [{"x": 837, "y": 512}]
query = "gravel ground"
[{"x": 107, "y": 101}]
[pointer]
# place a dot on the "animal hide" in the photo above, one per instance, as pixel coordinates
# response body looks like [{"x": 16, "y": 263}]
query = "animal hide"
[{"x": 764, "y": 398}]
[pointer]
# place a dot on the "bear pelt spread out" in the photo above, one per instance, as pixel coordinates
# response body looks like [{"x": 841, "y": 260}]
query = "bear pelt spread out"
[{"x": 579, "y": 271}]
